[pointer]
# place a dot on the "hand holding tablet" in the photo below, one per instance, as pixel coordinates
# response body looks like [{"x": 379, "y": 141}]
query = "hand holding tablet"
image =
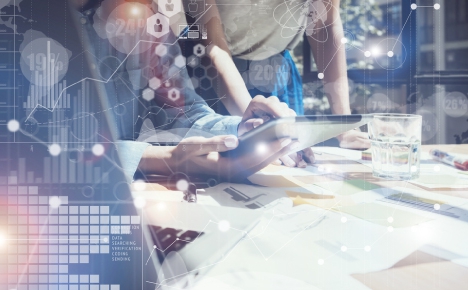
[{"x": 307, "y": 130}]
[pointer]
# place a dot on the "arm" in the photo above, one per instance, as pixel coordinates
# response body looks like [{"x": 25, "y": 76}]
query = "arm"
[
  {"x": 330, "y": 58},
  {"x": 329, "y": 55},
  {"x": 198, "y": 156},
  {"x": 232, "y": 86}
]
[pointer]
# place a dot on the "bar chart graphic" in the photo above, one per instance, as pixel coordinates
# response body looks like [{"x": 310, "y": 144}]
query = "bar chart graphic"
[
  {"x": 45, "y": 88},
  {"x": 62, "y": 169}
]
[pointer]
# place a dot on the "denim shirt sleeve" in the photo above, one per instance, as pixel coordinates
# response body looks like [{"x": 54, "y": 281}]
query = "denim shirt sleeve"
[
  {"x": 131, "y": 152},
  {"x": 176, "y": 118}
]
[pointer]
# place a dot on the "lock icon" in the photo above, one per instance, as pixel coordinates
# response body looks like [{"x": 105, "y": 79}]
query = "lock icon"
[
  {"x": 193, "y": 6},
  {"x": 199, "y": 50}
]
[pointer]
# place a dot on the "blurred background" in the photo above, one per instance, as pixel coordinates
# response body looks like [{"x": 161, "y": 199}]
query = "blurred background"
[{"x": 427, "y": 72}]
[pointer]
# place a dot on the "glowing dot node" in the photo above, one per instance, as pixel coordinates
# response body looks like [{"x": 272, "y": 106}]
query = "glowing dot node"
[
  {"x": 261, "y": 148},
  {"x": 436, "y": 206},
  {"x": 139, "y": 185},
  {"x": 182, "y": 185},
  {"x": 13, "y": 125},
  {"x": 390, "y": 219},
  {"x": 344, "y": 219},
  {"x": 367, "y": 248},
  {"x": 139, "y": 202},
  {"x": 321, "y": 262},
  {"x": 344, "y": 248},
  {"x": 224, "y": 226},
  {"x": 98, "y": 149},
  {"x": 321, "y": 76},
  {"x": 437, "y": 6},
  {"x": 390, "y": 53},
  {"x": 161, "y": 206},
  {"x": 54, "y": 202},
  {"x": 55, "y": 149},
  {"x": 375, "y": 51},
  {"x": 367, "y": 53},
  {"x": 344, "y": 40},
  {"x": 154, "y": 247},
  {"x": 414, "y": 6},
  {"x": 2, "y": 239},
  {"x": 135, "y": 11}
]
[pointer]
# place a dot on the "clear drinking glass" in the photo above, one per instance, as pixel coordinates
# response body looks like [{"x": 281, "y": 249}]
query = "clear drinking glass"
[{"x": 395, "y": 145}]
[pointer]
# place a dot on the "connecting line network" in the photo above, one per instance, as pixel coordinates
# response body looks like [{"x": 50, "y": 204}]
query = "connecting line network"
[
  {"x": 251, "y": 239},
  {"x": 111, "y": 76}
]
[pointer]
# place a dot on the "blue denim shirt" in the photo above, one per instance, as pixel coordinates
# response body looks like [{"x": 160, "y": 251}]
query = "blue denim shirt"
[{"x": 175, "y": 112}]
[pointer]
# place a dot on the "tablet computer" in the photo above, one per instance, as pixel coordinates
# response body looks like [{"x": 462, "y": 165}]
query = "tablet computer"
[{"x": 308, "y": 130}]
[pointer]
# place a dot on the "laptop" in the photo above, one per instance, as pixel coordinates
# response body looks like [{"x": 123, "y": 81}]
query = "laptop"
[{"x": 186, "y": 240}]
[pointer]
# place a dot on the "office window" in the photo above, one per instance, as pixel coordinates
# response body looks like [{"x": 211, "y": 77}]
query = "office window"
[
  {"x": 373, "y": 27},
  {"x": 429, "y": 63}
]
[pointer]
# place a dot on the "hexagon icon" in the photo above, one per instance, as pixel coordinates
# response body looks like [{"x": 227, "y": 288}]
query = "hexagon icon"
[
  {"x": 173, "y": 95},
  {"x": 193, "y": 61},
  {"x": 199, "y": 50},
  {"x": 194, "y": 7},
  {"x": 160, "y": 50},
  {"x": 157, "y": 25},
  {"x": 169, "y": 7},
  {"x": 199, "y": 72},
  {"x": 147, "y": 72},
  {"x": 211, "y": 72},
  {"x": 179, "y": 61},
  {"x": 205, "y": 61},
  {"x": 195, "y": 82},
  {"x": 148, "y": 94},
  {"x": 205, "y": 83},
  {"x": 179, "y": 83},
  {"x": 154, "y": 83}
]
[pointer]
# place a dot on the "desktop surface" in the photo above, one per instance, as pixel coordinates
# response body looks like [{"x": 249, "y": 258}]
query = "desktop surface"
[{"x": 333, "y": 225}]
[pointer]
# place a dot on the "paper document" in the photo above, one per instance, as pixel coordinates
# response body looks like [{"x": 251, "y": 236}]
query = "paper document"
[
  {"x": 328, "y": 204},
  {"x": 243, "y": 195},
  {"x": 280, "y": 170},
  {"x": 347, "y": 187},
  {"x": 429, "y": 203},
  {"x": 422, "y": 270},
  {"x": 347, "y": 153},
  {"x": 379, "y": 214},
  {"x": 453, "y": 180},
  {"x": 275, "y": 180}
]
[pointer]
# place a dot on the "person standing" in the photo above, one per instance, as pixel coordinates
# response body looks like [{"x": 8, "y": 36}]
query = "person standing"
[{"x": 249, "y": 42}]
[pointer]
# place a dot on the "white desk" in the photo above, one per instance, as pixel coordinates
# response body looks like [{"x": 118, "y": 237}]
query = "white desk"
[{"x": 339, "y": 250}]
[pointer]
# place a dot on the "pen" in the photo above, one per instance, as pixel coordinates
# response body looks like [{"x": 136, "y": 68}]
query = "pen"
[{"x": 444, "y": 157}]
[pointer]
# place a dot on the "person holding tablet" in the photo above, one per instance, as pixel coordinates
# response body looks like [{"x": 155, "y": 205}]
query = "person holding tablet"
[
  {"x": 147, "y": 116},
  {"x": 248, "y": 38}
]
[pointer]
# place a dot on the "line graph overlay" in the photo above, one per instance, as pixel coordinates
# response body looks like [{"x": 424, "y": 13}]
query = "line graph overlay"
[{"x": 111, "y": 76}]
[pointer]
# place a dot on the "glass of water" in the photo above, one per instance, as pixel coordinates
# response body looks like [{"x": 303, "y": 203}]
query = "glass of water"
[{"x": 395, "y": 145}]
